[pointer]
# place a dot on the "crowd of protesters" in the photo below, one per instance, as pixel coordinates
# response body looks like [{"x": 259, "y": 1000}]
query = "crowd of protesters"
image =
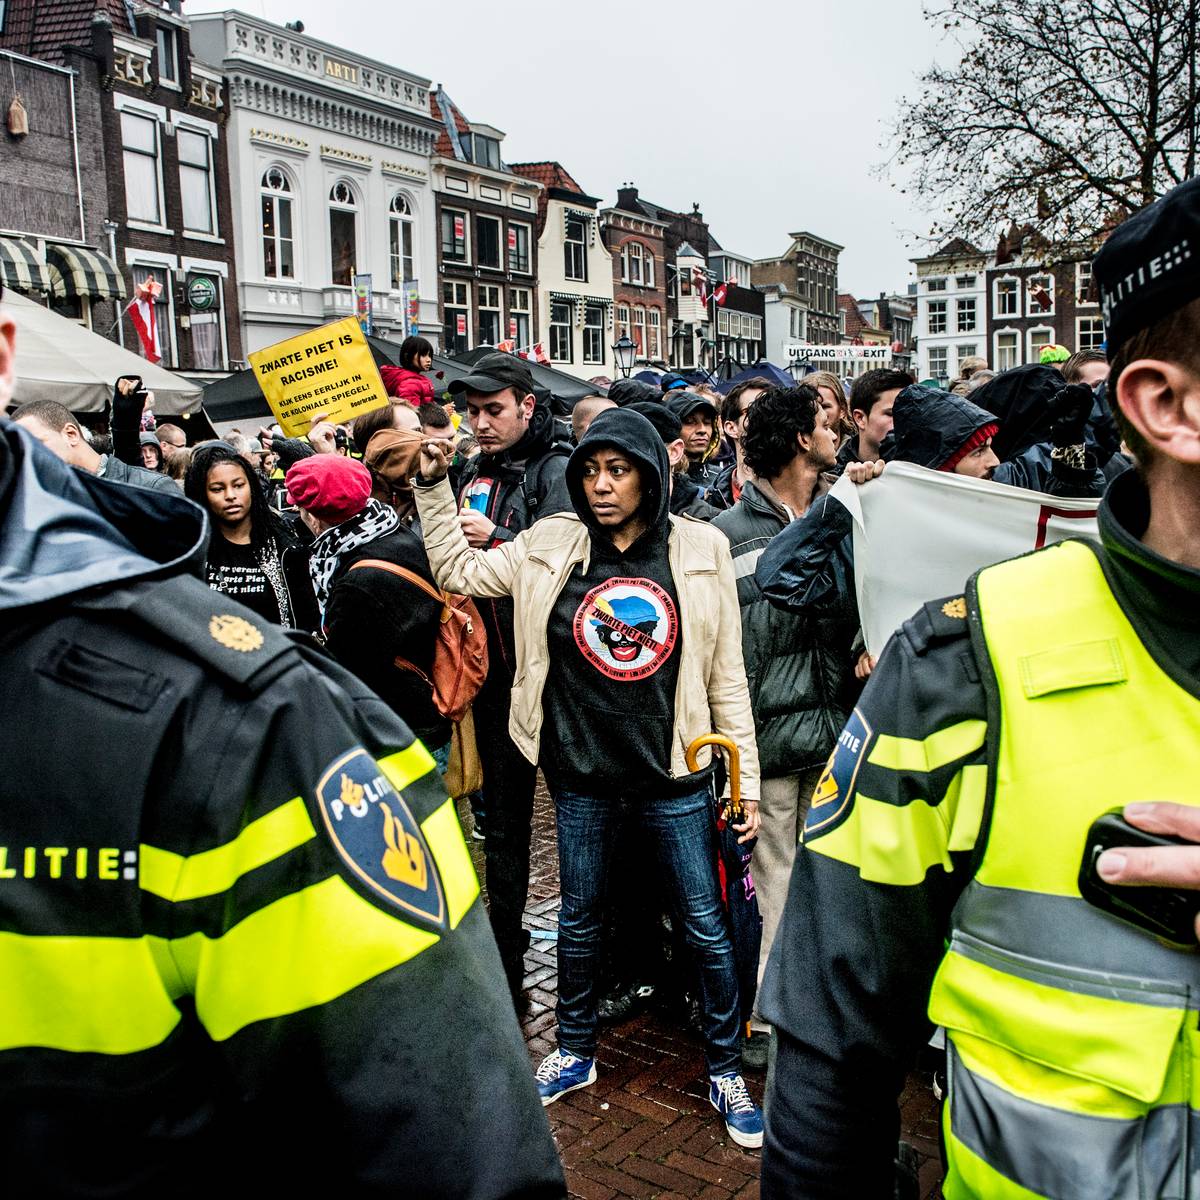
[{"x": 667, "y": 564}]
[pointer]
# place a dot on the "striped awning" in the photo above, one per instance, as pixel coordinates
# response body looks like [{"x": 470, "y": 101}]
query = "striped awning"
[
  {"x": 20, "y": 268},
  {"x": 82, "y": 271}
]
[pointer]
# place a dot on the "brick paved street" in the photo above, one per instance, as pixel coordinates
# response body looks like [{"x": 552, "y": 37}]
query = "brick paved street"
[{"x": 645, "y": 1129}]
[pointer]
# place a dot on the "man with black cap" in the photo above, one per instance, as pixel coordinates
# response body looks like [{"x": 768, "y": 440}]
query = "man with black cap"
[
  {"x": 947, "y": 852},
  {"x": 686, "y": 500},
  {"x": 514, "y": 480},
  {"x": 701, "y": 437},
  {"x": 241, "y": 949}
]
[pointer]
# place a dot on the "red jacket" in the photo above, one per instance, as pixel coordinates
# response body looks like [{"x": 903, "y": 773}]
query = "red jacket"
[{"x": 407, "y": 385}]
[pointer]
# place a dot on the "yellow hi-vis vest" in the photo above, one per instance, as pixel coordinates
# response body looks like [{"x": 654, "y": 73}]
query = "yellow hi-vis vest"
[{"x": 1073, "y": 1052}]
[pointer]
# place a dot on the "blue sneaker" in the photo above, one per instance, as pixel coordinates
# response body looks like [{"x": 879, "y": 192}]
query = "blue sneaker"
[
  {"x": 562, "y": 1073},
  {"x": 743, "y": 1120}
]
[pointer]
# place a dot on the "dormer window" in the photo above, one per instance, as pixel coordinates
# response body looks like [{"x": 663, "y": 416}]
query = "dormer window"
[
  {"x": 482, "y": 150},
  {"x": 168, "y": 55}
]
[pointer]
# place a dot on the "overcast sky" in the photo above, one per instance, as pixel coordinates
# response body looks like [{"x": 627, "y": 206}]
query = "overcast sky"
[{"x": 769, "y": 114}]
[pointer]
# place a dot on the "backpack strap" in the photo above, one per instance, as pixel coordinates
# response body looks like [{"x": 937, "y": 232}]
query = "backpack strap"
[{"x": 411, "y": 576}]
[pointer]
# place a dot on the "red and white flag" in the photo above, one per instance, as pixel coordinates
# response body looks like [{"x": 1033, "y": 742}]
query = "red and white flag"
[
  {"x": 700, "y": 283},
  {"x": 723, "y": 289},
  {"x": 508, "y": 346},
  {"x": 145, "y": 321},
  {"x": 539, "y": 352}
]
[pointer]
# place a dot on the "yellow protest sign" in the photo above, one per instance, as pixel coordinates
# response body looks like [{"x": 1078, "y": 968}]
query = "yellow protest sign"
[{"x": 329, "y": 370}]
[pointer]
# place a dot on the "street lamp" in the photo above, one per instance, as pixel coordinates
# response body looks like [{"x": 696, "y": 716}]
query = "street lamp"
[{"x": 624, "y": 351}]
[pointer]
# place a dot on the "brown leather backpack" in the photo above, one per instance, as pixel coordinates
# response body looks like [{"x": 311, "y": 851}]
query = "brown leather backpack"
[{"x": 460, "y": 657}]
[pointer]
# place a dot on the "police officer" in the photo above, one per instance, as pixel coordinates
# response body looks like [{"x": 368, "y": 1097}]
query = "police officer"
[
  {"x": 938, "y": 879},
  {"x": 240, "y": 942}
]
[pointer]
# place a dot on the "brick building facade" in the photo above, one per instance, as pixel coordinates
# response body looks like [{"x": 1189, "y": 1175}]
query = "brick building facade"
[
  {"x": 809, "y": 269},
  {"x": 155, "y": 195},
  {"x": 487, "y": 251},
  {"x": 637, "y": 244}
]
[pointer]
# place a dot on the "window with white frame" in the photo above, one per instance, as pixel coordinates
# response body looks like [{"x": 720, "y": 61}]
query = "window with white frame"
[
  {"x": 796, "y": 323},
  {"x": 723, "y": 320},
  {"x": 518, "y": 248},
  {"x": 631, "y": 263},
  {"x": 489, "y": 315},
  {"x": 1037, "y": 338},
  {"x": 162, "y": 312},
  {"x": 654, "y": 333},
  {"x": 622, "y": 320},
  {"x": 196, "y": 181},
  {"x": 487, "y": 241},
  {"x": 593, "y": 333},
  {"x": 648, "y": 268},
  {"x": 639, "y": 329},
  {"x": 519, "y": 314},
  {"x": 560, "y": 331},
  {"x": 168, "y": 55},
  {"x": 964, "y": 283},
  {"x": 1008, "y": 298},
  {"x": 454, "y": 236},
  {"x": 343, "y": 233},
  {"x": 937, "y": 316},
  {"x": 965, "y": 314},
  {"x": 400, "y": 241},
  {"x": 1041, "y": 295},
  {"x": 1008, "y": 350},
  {"x": 969, "y": 350},
  {"x": 1083, "y": 284},
  {"x": 935, "y": 285},
  {"x": 456, "y": 318},
  {"x": 143, "y": 191},
  {"x": 938, "y": 356},
  {"x": 279, "y": 250},
  {"x": 1089, "y": 333},
  {"x": 575, "y": 249}
]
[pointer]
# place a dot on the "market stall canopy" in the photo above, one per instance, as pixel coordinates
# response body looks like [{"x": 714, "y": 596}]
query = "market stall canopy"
[
  {"x": 237, "y": 402},
  {"x": 564, "y": 389},
  {"x": 57, "y": 359}
]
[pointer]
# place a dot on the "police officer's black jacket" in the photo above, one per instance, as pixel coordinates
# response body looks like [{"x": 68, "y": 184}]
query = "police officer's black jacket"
[
  {"x": 240, "y": 942},
  {"x": 798, "y": 663}
]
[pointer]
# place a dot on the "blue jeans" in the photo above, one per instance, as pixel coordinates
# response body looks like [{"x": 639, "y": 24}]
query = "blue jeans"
[{"x": 684, "y": 835}]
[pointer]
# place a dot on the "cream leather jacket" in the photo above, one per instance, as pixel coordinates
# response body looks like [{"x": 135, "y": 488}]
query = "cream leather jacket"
[{"x": 711, "y": 694}]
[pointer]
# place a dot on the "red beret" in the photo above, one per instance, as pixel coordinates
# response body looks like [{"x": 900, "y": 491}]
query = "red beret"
[{"x": 330, "y": 486}]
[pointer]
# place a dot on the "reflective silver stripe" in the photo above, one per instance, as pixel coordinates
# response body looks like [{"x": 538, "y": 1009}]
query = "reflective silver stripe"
[
  {"x": 745, "y": 564},
  {"x": 1069, "y": 1156},
  {"x": 1069, "y": 935}
]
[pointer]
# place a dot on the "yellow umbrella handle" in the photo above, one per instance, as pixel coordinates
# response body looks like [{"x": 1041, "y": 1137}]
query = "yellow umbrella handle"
[{"x": 735, "y": 766}]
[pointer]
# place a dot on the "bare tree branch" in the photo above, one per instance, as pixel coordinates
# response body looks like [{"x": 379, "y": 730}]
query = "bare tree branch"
[{"x": 1060, "y": 113}]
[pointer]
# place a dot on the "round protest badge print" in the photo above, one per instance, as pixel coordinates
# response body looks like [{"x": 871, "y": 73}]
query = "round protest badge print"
[{"x": 626, "y": 628}]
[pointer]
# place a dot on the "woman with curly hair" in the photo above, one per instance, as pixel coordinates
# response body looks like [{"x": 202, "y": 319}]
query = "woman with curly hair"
[{"x": 245, "y": 552}]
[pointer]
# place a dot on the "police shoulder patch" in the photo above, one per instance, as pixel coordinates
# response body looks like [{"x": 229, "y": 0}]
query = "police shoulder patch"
[
  {"x": 833, "y": 799},
  {"x": 377, "y": 837}
]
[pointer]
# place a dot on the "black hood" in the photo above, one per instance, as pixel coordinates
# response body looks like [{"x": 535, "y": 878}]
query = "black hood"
[
  {"x": 930, "y": 426},
  {"x": 1020, "y": 400},
  {"x": 628, "y": 391},
  {"x": 63, "y": 531},
  {"x": 632, "y": 434}
]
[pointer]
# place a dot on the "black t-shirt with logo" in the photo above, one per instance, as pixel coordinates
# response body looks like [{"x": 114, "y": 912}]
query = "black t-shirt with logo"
[
  {"x": 234, "y": 570},
  {"x": 609, "y": 704}
]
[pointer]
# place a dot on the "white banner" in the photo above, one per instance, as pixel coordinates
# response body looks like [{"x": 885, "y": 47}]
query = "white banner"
[
  {"x": 920, "y": 535},
  {"x": 878, "y": 354}
]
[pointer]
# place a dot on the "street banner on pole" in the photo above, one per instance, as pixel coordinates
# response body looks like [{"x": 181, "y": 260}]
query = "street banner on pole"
[
  {"x": 363, "y": 303},
  {"x": 920, "y": 534},
  {"x": 329, "y": 370},
  {"x": 412, "y": 307}
]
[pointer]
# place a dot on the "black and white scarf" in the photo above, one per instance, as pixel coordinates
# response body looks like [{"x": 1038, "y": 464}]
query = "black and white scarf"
[{"x": 373, "y": 522}]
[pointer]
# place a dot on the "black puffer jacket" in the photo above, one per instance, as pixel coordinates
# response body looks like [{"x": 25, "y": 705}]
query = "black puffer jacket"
[
  {"x": 798, "y": 661},
  {"x": 529, "y": 484}
]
